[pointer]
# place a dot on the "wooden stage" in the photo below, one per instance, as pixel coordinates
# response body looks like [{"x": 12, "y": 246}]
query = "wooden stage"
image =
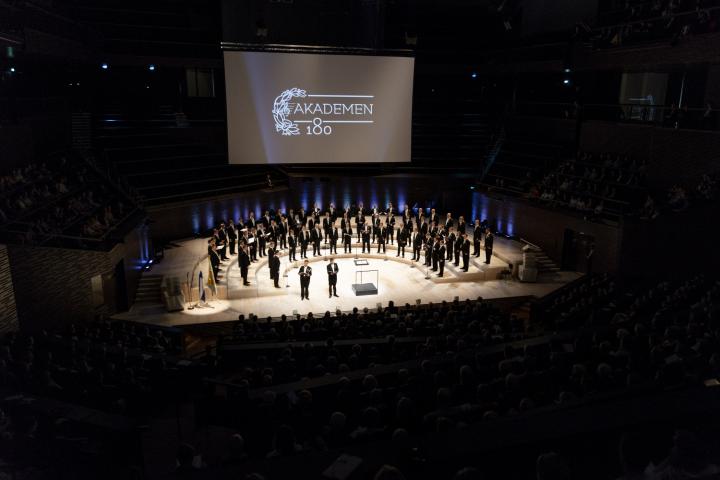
[{"x": 399, "y": 280}]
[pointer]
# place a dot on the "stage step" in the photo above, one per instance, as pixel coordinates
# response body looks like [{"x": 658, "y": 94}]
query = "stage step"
[{"x": 149, "y": 290}]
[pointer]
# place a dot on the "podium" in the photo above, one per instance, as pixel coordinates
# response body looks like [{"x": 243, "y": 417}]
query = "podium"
[{"x": 366, "y": 282}]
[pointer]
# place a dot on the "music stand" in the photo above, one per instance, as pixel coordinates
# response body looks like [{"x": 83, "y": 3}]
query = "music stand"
[{"x": 366, "y": 282}]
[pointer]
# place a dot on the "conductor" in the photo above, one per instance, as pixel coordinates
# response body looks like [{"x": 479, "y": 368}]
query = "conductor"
[
  {"x": 305, "y": 274},
  {"x": 332, "y": 271}
]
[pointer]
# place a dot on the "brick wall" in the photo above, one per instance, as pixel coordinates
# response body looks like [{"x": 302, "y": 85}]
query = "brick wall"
[
  {"x": 53, "y": 285},
  {"x": 8, "y": 310}
]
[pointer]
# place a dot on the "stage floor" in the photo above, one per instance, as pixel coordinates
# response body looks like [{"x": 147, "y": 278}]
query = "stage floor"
[{"x": 401, "y": 281}]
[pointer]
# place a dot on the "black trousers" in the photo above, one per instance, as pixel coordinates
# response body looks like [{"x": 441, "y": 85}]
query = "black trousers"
[
  {"x": 244, "y": 274},
  {"x": 416, "y": 253},
  {"x": 391, "y": 236},
  {"x": 381, "y": 244},
  {"x": 366, "y": 244},
  {"x": 283, "y": 240},
  {"x": 401, "y": 250},
  {"x": 457, "y": 257},
  {"x": 434, "y": 262},
  {"x": 303, "y": 250},
  {"x": 276, "y": 278},
  {"x": 332, "y": 285},
  {"x": 253, "y": 253},
  {"x": 441, "y": 263},
  {"x": 466, "y": 261},
  {"x": 348, "y": 248},
  {"x": 232, "y": 247},
  {"x": 476, "y": 247},
  {"x": 291, "y": 254},
  {"x": 488, "y": 255},
  {"x": 262, "y": 249},
  {"x": 449, "y": 253},
  {"x": 333, "y": 246},
  {"x": 316, "y": 248},
  {"x": 304, "y": 288}
]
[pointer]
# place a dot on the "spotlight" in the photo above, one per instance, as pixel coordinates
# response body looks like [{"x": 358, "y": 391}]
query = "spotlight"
[
  {"x": 151, "y": 68},
  {"x": 566, "y": 81},
  {"x": 473, "y": 75},
  {"x": 104, "y": 66},
  {"x": 567, "y": 70},
  {"x": 12, "y": 69}
]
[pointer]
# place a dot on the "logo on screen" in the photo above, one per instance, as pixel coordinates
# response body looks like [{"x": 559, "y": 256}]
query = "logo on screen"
[{"x": 297, "y": 112}]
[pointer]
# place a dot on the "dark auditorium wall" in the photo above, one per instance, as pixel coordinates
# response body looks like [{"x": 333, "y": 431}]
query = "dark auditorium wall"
[
  {"x": 197, "y": 217},
  {"x": 546, "y": 228},
  {"x": 8, "y": 310},
  {"x": 674, "y": 156},
  {"x": 53, "y": 285}
]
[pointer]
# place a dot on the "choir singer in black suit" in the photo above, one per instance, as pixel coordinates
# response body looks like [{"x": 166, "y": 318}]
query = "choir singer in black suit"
[
  {"x": 305, "y": 274},
  {"x": 275, "y": 269},
  {"x": 347, "y": 238},
  {"x": 466, "y": 252},
  {"x": 244, "y": 263},
  {"x": 477, "y": 237},
  {"x": 366, "y": 240},
  {"x": 402, "y": 240},
  {"x": 292, "y": 244},
  {"x": 441, "y": 257},
  {"x": 334, "y": 236},
  {"x": 489, "y": 240},
  {"x": 332, "y": 271},
  {"x": 417, "y": 242}
]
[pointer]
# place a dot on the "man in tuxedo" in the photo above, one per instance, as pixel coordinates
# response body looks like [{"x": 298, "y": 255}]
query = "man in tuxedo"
[
  {"x": 261, "y": 239},
  {"x": 433, "y": 217},
  {"x": 327, "y": 225},
  {"x": 402, "y": 240},
  {"x": 435, "y": 253},
  {"x": 292, "y": 243},
  {"x": 305, "y": 274},
  {"x": 477, "y": 237},
  {"x": 220, "y": 237},
  {"x": 381, "y": 237},
  {"x": 244, "y": 263},
  {"x": 417, "y": 242},
  {"x": 232, "y": 236},
  {"x": 390, "y": 227},
  {"x": 284, "y": 229},
  {"x": 461, "y": 225},
  {"x": 441, "y": 257},
  {"x": 334, "y": 236},
  {"x": 252, "y": 241},
  {"x": 273, "y": 232},
  {"x": 450, "y": 243},
  {"x": 366, "y": 240},
  {"x": 466, "y": 252},
  {"x": 274, "y": 263},
  {"x": 423, "y": 226},
  {"x": 345, "y": 222},
  {"x": 458, "y": 248},
  {"x": 449, "y": 222},
  {"x": 428, "y": 250},
  {"x": 347, "y": 238},
  {"x": 304, "y": 240},
  {"x": 251, "y": 223},
  {"x": 332, "y": 271},
  {"x": 489, "y": 240},
  {"x": 214, "y": 258},
  {"x": 316, "y": 236},
  {"x": 360, "y": 223},
  {"x": 375, "y": 221}
]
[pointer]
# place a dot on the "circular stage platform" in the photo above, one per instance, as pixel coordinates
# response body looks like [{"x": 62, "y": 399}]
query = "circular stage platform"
[{"x": 399, "y": 280}]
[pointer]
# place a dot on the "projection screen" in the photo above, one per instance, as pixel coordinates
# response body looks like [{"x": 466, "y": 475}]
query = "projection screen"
[{"x": 289, "y": 108}]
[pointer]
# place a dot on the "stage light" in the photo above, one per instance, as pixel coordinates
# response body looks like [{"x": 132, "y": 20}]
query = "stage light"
[
  {"x": 473, "y": 75},
  {"x": 12, "y": 69},
  {"x": 151, "y": 68},
  {"x": 566, "y": 81},
  {"x": 567, "y": 70},
  {"x": 104, "y": 66}
]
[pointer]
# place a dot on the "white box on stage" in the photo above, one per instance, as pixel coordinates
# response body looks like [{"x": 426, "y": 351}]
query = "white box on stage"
[
  {"x": 366, "y": 282},
  {"x": 528, "y": 274}
]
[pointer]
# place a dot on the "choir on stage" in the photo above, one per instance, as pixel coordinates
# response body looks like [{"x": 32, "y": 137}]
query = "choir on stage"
[{"x": 429, "y": 238}]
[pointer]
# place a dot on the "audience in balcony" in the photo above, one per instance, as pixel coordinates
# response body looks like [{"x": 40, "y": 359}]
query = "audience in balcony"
[{"x": 61, "y": 197}]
